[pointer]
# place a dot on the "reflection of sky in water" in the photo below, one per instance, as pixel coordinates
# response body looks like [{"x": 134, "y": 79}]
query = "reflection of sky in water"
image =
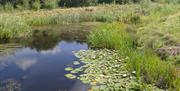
[{"x": 43, "y": 70}]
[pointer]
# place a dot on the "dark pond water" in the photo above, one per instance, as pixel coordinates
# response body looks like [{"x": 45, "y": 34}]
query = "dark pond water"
[{"x": 37, "y": 63}]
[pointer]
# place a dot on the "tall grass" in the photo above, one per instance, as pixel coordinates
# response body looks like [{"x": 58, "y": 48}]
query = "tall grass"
[
  {"x": 103, "y": 13},
  {"x": 13, "y": 27},
  {"x": 149, "y": 68},
  {"x": 111, "y": 36}
]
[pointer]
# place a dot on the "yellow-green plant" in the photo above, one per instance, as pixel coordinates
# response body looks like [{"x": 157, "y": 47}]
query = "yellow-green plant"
[{"x": 13, "y": 27}]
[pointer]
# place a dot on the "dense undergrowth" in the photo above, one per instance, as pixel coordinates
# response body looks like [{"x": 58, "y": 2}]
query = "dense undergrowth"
[{"x": 11, "y": 5}]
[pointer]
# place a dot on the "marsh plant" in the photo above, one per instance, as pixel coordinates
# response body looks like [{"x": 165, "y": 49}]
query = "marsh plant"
[
  {"x": 144, "y": 62},
  {"x": 105, "y": 70},
  {"x": 13, "y": 27},
  {"x": 111, "y": 36}
]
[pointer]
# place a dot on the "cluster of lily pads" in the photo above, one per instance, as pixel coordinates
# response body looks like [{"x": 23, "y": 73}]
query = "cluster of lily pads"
[{"x": 104, "y": 70}]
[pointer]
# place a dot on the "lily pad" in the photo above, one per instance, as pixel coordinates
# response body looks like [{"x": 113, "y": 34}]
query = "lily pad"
[
  {"x": 76, "y": 63},
  {"x": 105, "y": 68},
  {"x": 68, "y": 69},
  {"x": 70, "y": 76}
]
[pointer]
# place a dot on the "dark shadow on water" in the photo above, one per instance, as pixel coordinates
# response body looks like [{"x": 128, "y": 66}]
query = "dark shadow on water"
[{"x": 37, "y": 63}]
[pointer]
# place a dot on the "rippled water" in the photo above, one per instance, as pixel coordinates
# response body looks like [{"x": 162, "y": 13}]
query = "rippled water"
[{"x": 37, "y": 63}]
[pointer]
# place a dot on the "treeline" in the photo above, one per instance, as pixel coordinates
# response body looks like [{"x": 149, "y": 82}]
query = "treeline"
[{"x": 49, "y": 4}]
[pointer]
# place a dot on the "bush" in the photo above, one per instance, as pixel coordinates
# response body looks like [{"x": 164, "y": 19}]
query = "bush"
[
  {"x": 8, "y": 6},
  {"x": 76, "y": 3},
  {"x": 49, "y": 4},
  {"x": 36, "y": 5}
]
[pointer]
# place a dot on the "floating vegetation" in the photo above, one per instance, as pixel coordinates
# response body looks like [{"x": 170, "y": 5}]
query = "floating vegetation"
[
  {"x": 105, "y": 70},
  {"x": 69, "y": 69},
  {"x": 70, "y": 76},
  {"x": 76, "y": 63}
]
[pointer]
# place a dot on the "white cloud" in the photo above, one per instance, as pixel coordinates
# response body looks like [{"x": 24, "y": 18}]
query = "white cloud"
[{"x": 25, "y": 63}]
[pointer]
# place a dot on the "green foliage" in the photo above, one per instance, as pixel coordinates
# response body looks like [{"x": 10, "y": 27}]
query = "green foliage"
[
  {"x": 8, "y": 7},
  {"x": 160, "y": 27},
  {"x": 36, "y": 5},
  {"x": 76, "y": 3},
  {"x": 50, "y": 4},
  {"x": 105, "y": 70},
  {"x": 146, "y": 65},
  {"x": 13, "y": 27},
  {"x": 70, "y": 76},
  {"x": 167, "y": 1},
  {"x": 68, "y": 69},
  {"x": 111, "y": 36}
]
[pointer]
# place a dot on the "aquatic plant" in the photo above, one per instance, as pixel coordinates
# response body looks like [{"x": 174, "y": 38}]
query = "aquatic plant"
[
  {"x": 105, "y": 70},
  {"x": 68, "y": 69},
  {"x": 70, "y": 76},
  {"x": 76, "y": 63},
  {"x": 144, "y": 62}
]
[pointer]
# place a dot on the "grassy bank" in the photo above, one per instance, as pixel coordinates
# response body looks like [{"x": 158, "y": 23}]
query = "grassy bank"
[
  {"x": 131, "y": 13},
  {"x": 139, "y": 30},
  {"x": 149, "y": 68},
  {"x": 11, "y": 27}
]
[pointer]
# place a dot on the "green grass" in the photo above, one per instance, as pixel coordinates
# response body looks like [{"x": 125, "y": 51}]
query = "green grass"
[
  {"x": 150, "y": 68},
  {"x": 111, "y": 36},
  {"x": 160, "y": 29},
  {"x": 154, "y": 26},
  {"x": 129, "y": 14},
  {"x": 13, "y": 27}
]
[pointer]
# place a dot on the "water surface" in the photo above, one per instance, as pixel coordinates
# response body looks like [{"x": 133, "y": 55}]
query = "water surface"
[{"x": 37, "y": 63}]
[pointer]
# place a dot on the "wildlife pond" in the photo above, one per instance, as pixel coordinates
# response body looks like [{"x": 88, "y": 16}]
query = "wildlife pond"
[{"x": 37, "y": 63}]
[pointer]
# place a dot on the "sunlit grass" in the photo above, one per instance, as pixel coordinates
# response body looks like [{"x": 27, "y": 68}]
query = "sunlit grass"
[
  {"x": 149, "y": 67},
  {"x": 13, "y": 27}
]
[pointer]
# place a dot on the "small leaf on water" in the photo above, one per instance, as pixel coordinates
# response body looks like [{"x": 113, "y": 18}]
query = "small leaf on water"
[
  {"x": 76, "y": 63},
  {"x": 68, "y": 69},
  {"x": 70, "y": 76}
]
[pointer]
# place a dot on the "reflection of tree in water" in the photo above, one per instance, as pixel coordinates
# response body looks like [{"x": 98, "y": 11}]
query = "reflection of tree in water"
[
  {"x": 46, "y": 38},
  {"x": 77, "y": 35},
  {"x": 10, "y": 85},
  {"x": 43, "y": 40}
]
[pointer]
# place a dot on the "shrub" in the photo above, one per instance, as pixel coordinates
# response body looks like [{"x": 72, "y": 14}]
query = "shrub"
[
  {"x": 49, "y": 4},
  {"x": 36, "y": 5},
  {"x": 8, "y": 6}
]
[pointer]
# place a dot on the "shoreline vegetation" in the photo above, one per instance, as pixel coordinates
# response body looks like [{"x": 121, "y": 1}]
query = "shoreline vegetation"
[{"x": 143, "y": 32}]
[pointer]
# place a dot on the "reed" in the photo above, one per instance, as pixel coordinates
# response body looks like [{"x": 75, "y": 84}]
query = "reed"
[{"x": 13, "y": 27}]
